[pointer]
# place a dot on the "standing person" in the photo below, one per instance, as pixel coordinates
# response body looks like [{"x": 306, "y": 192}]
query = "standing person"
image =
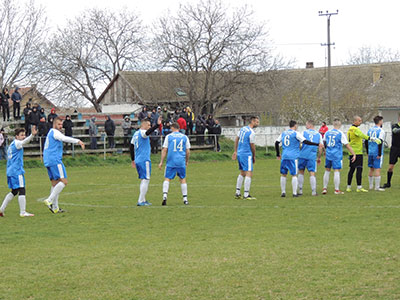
[
  {"x": 93, "y": 133},
  {"x": 394, "y": 152},
  {"x": 210, "y": 125},
  {"x": 177, "y": 147},
  {"x": 52, "y": 115},
  {"x": 166, "y": 129},
  {"x": 155, "y": 140},
  {"x": 323, "y": 129},
  {"x": 3, "y": 154},
  {"x": 5, "y": 96},
  {"x": 291, "y": 140},
  {"x": 166, "y": 116},
  {"x": 182, "y": 124},
  {"x": 34, "y": 117},
  {"x": 109, "y": 127},
  {"x": 190, "y": 120},
  {"x": 16, "y": 98},
  {"x": 42, "y": 113},
  {"x": 307, "y": 157},
  {"x": 43, "y": 130},
  {"x": 27, "y": 111},
  {"x": 67, "y": 125},
  {"x": 154, "y": 116},
  {"x": 217, "y": 130},
  {"x": 200, "y": 129},
  {"x": 143, "y": 114},
  {"x": 375, "y": 154},
  {"x": 334, "y": 140},
  {"x": 52, "y": 158},
  {"x": 127, "y": 130},
  {"x": 15, "y": 172},
  {"x": 140, "y": 155},
  {"x": 245, "y": 153}
]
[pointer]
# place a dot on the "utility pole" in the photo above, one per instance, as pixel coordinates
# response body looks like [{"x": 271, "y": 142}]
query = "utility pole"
[{"x": 328, "y": 15}]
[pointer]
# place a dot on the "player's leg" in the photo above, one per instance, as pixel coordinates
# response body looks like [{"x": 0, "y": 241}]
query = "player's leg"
[
  {"x": 393, "y": 157},
  {"x": 58, "y": 178},
  {"x": 248, "y": 168},
  {"x": 184, "y": 190},
  {"x": 328, "y": 166},
  {"x": 284, "y": 171},
  {"x": 336, "y": 181},
  {"x": 22, "y": 203},
  {"x": 293, "y": 171},
  {"x": 352, "y": 169},
  {"x": 7, "y": 200},
  {"x": 165, "y": 190},
  {"x": 377, "y": 174},
  {"x": 144, "y": 171},
  {"x": 359, "y": 169},
  {"x": 300, "y": 178},
  {"x": 240, "y": 178},
  {"x": 313, "y": 183}
]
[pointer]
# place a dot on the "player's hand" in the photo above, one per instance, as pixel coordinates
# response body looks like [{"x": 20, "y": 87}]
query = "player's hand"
[
  {"x": 82, "y": 145},
  {"x": 234, "y": 156},
  {"x": 34, "y": 130},
  {"x": 318, "y": 161},
  {"x": 353, "y": 159},
  {"x": 254, "y": 159},
  {"x": 160, "y": 166},
  {"x": 378, "y": 157},
  {"x": 133, "y": 164},
  {"x": 278, "y": 158}
]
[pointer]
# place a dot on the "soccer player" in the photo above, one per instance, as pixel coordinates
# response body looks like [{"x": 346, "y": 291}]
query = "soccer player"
[
  {"x": 52, "y": 158},
  {"x": 307, "y": 158},
  {"x": 245, "y": 153},
  {"x": 15, "y": 171},
  {"x": 291, "y": 140},
  {"x": 140, "y": 155},
  {"x": 177, "y": 146},
  {"x": 334, "y": 140},
  {"x": 394, "y": 152},
  {"x": 375, "y": 154}
]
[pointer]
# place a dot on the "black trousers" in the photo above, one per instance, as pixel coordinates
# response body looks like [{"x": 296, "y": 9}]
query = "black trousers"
[
  {"x": 6, "y": 112},
  {"x": 16, "y": 109}
]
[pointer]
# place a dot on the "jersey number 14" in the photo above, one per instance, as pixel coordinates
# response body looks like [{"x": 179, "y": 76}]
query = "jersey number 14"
[{"x": 179, "y": 146}]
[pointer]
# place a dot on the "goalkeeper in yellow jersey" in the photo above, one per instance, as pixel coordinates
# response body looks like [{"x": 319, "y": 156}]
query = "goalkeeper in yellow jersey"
[{"x": 356, "y": 137}]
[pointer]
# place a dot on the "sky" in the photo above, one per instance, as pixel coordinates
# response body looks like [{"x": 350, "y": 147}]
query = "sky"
[{"x": 294, "y": 25}]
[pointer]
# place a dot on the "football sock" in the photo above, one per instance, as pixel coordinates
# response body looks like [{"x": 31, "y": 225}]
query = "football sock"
[
  {"x": 389, "y": 177},
  {"x": 56, "y": 191},
  {"x": 300, "y": 181},
  {"x": 371, "y": 182},
  {"x": 313, "y": 184},
  {"x": 247, "y": 183},
  {"x": 239, "y": 183},
  {"x": 283, "y": 185},
  {"x": 326, "y": 179},
  {"x": 377, "y": 182},
  {"x": 359, "y": 176},
  {"x": 7, "y": 200},
  {"x": 336, "y": 180},
  {"x": 350, "y": 176},
  {"x": 184, "y": 191},
  {"x": 294, "y": 185},
  {"x": 165, "y": 189},
  {"x": 22, "y": 204},
  {"x": 55, "y": 202},
  {"x": 144, "y": 185}
]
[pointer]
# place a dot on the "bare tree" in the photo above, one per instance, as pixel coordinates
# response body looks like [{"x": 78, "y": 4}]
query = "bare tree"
[
  {"x": 22, "y": 31},
  {"x": 370, "y": 55},
  {"x": 214, "y": 49}
]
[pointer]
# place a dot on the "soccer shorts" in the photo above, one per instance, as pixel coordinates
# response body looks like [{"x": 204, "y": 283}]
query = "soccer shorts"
[
  {"x": 358, "y": 163},
  {"x": 171, "y": 172},
  {"x": 333, "y": 164},
  {"x": 394, "y": 155},
  {"x": 374, "y": 162},
  {"x": 310, "y": 164},
  {"x": 144, "y": 169},
  {"x": 289, "y": 165},
  {"x": 16, "y": 182},
  {"x": 245, "y": 162},
  {"x": 57, "y": 172}
]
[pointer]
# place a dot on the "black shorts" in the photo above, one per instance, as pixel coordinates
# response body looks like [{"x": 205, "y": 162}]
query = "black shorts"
[
  {"x": 394, "y": 155},
  {"x": 358, "y": 163}
]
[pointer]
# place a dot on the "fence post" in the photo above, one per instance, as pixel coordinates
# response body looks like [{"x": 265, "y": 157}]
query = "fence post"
[
  {"x": 40, "y": 148},
  {"x": 215, "y": 143},
  {"x": 104, "y": 144}
]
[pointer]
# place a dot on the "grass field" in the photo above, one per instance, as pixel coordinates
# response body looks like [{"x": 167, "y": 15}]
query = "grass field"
[{"x": 104, "y": 247}]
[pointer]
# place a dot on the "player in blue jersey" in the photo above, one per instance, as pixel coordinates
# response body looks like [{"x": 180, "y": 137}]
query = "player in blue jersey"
[
  {"x": 140, "y": 155},
  {"x": 375, "y": 154},
  {"x": 334, "y": 140},
  {"x": 291, "y": 140},
  {"x": 15, "y": 171},
  {"x": 176, "y": 148},
  {"x": 52, "y": 159},
  {"x": 245, "y": 153},
  {"x": 307, "y": 158}
]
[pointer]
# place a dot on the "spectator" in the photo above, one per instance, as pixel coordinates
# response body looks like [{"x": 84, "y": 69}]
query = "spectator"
[
  {"x": 5, "y": 96},
  {"x": 177, "y": 114},
  {"x": 189, "y": 120},
  {"x": 166, "y": 129},
  {"x": 27, "y": 114},
  {"x": 3, "y": 152},
  {"x": 182, "y": 125},
  {"x": 323, "y": 129},
  {"x": 67, "y": 125},
  {"x": 109, "y": 127},
  {"x": 52, "y": 115},
  {"x": 127, "y": 130},
  {"x": 143, "y": 114},
  {"x": 166, "y": 116},
  {"x": 210, "y": 125},
  {"x": 154, "y": 116},
  {"x": 217, "y": 131},
  {"x": 155, "y": 140},
  {"x": 42, "y": 113},
  {"x": 43, "y": 129},
  {"x": 200, "y": 129},
  {"x": 93, "y": 133},
  {"x": 34, "y": 117},
  {"x": 16, "y": 98}
]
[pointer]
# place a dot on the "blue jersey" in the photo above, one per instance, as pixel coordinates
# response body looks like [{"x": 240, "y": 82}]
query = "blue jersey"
[
  {"x": 335, "y": 139},
  {"x": 373, "y": 147},
  {"x": 246, "y": 137},
  {"x": 53, "y": 150},
  {"x": 310, "y": 151},
  {"x": 15, "y": 162},
  {"x": 177, "y": 143},
  {"x": 142, "y": 146},
  {"x": 290, "y": 144}
]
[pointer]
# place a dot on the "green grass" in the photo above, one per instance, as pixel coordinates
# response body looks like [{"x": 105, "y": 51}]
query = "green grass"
[{"x": 325, "y": 247}]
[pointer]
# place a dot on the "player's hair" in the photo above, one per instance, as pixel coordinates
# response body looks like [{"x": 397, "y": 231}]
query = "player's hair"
[
  {"x": 377, "y": 119},
  {"x": 175, "y": 126},
  {"x": 324, "y": 122},
  {"x": 356, "y": 117},
  {"x": 146, "y": 120},
  {"x": 253, "y": 118},
  {"x": 19, "y": 130},
  {"x": 336, "y": 122},
  {"x": 56, "y": 119},
  {"x": 292, "y": 123},
  {"x": 311, "y": 122}
]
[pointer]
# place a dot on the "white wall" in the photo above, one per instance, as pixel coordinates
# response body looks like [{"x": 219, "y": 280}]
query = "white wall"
[{"x": 120, "y": 108}]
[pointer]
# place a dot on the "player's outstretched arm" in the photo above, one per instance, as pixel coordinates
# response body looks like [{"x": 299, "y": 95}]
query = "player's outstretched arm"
[
  {"x": 81, "y": 144},
  {"x": 234, "y": 155}
]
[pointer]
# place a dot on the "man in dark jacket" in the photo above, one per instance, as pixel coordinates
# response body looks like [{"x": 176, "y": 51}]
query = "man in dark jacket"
[
  {"x": 217, "y": 131},
  {"x": 67, "y": 125},
  {"x": 34, "y": 118},
  {"x": 200, "y": 129},
  {"x": 154, "y": 116},
  {"x": 127, "y": 130},
  {"x": 16, "y": 98},
  {"x": 143, "y": 114},
  {"x": 27, "y": 114},
  {"x": 109, "y": 127},
  {"x": 43, "y": 129},
  {"x": 5, "y": 96},
  {"x": 52, "y": 115},
  {"x": 210, "y": 126}
]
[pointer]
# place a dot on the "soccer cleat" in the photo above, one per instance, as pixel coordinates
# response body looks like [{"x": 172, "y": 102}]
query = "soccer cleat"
[
  {"x": 164, "y": 202},
  {"x": 380, "y": 190},
  {"x": 26, "y": 214},
  {"x": 314, "y": 194},
  {"x": 348, "y": 190},
  {"x": 295, "y": 195},
  {"x": 147, "y": 203},
  {"x": 186, "y": 202},
  {"x": 1, "y": 214},
  {"x": 324, "y": 191},
  {"x": 48, "y": 203},
  {"x": 238, "y": 196},
  {"x": 362, "y": 190},
  {"x": 249, "y": 198},
  {"x": 300, "y": 193},
  {"x": 386, "y": 186},
  {"x": 338, "y": 192},
  {"x": 283, "y": 195},
  {"x": 60, "y": 211},
  {"x": 141, "y": 204}
]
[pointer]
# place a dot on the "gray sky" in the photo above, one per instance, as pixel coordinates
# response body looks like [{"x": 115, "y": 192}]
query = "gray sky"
[{"x": 294, "y": 25}]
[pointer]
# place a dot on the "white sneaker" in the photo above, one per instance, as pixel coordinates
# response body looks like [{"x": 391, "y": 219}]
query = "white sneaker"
[
  {"x": 380, "y": 189},
  {"x": 26, "y": 214}
]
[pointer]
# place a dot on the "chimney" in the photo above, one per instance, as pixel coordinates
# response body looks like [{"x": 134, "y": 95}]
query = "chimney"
[
  {"x": 376, "y": 75},
  {"x": 309, "y": 65}
]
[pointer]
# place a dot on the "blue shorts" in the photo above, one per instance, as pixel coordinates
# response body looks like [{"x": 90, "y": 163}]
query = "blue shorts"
[
  {"x": 374, "y": 162},
  {"x": 310, "y": 164},
  {"x": 171, "y": 172},
  {"x": 245, "y": 162},
  {"x": 144, "y": 169},
  {"x": 289, "y": 165},
  {"x": 57, "y": 172},
  {"x": 16, "y": 182},
  {"x": 334, "y": 164}
]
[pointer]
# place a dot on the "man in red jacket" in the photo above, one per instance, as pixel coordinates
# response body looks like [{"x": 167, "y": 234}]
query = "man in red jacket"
[{"x": 182, "y": 124}]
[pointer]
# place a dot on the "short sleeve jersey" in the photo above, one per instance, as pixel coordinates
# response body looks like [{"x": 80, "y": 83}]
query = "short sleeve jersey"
[
  {"x": 373, "y": 147},
  {"x": 335, "y": 139},
  {"x": 15, "y": 162},
  {"x": 177, "y": 144},
  {"x": 53, "y": 150},
  {"x": 290, "y": 144},
  {"x": 246, "y": 137},
  {"x": 310, "y": 151},
  {"x": 142, "y": 146}
]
